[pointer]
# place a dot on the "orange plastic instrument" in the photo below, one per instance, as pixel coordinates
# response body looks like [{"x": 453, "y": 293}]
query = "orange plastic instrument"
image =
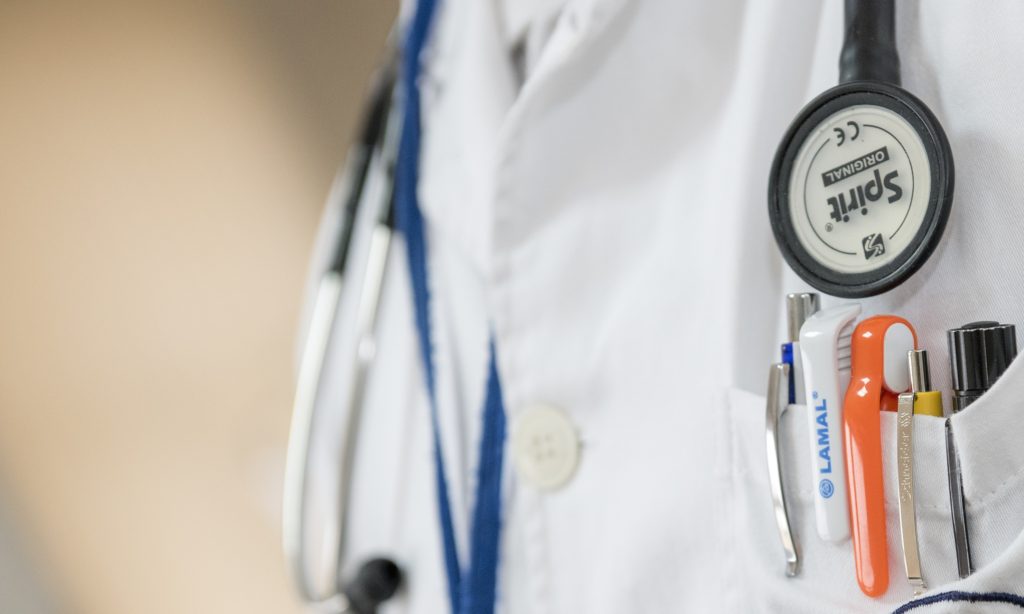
[{"x": 878, "y": 374}]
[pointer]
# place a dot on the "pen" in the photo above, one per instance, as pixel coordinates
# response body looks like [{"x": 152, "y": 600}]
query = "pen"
[
  {"x": 905, "y": 475},
  {"x": 777, "y": 401},
  {"x": 825, "y": 349},
  {"x": 979, "y": 352},
  {"x": 927, "y": 402},
  {"x": 923, "y": 401},
  {"x": 799, "y": 307},
  {"x": 878, "y": 374}
]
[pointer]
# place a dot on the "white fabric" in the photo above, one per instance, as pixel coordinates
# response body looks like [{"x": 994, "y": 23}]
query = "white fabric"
[
  {"x": 607, "y": 220},
  {"x": 526, "y": 26}
]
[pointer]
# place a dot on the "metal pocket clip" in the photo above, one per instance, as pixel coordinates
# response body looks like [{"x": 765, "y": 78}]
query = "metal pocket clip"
[
  {"x": 905, "y": 471},
  {"x": 778, "y": 400}
]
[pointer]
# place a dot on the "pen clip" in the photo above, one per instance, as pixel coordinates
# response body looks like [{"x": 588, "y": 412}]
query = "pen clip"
[
  {"x": 958, "y": 512},
  {"x": 905, "y": 466},
  {"x": 778, "y": 399}
]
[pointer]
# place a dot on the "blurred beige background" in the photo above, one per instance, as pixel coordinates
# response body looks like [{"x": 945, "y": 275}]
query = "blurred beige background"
[{"x": 162, "y": 170}]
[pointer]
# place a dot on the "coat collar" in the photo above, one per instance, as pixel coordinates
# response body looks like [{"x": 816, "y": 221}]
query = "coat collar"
[{"x": 472, "y": 108}]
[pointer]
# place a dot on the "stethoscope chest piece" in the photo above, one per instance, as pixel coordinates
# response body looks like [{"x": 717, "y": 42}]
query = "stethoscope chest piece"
[{"x": 861, "y": 189}]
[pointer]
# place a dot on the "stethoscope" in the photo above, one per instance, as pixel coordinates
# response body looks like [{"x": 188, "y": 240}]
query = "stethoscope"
[
  {"x": 862, "y": 184},
  {"x": 377, "y": 579}
]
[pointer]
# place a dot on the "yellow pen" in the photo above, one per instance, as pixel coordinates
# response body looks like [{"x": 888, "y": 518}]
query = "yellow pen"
[{"x": 926, "y": 401}]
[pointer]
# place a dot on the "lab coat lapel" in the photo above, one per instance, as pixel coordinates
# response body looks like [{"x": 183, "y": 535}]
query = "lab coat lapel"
[{"x": 467, "y": 86}]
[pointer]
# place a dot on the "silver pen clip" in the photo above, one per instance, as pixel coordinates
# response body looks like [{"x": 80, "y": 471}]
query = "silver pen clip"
[
  {"x": 956, "y": 504},
  {"x": 905, "y": 471},
  {"x": 778, "y": 400}
]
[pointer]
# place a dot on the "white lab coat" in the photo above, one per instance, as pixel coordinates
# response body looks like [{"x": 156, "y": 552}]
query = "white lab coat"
[{"x": 606, "y": 219}]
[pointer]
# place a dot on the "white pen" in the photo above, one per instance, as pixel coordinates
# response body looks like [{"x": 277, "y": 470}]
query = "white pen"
[{"x": 825, "y": 350}]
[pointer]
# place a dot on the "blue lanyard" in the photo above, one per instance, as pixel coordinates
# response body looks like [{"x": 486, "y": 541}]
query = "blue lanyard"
[{"x": 471, "y": 591}]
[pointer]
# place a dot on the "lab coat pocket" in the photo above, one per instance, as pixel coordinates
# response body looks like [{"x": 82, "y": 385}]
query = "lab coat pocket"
[
  {"x": 987, "y": 437},
  {"x": 826, "y": 580}
]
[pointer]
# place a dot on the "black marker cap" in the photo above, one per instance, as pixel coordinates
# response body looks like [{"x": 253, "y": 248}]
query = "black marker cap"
[{"x": 979, "y": 353}]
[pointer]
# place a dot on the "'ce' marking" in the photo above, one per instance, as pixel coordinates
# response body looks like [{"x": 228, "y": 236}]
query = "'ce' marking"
[{"x": 841, "y": 134}]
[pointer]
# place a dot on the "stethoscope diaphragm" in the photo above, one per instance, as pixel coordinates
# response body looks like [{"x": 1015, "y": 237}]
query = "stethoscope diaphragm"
[{"x": 860, "y": 189}]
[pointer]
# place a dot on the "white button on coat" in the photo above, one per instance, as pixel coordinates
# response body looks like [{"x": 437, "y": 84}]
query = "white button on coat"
[{"x": 545, "y": 446}]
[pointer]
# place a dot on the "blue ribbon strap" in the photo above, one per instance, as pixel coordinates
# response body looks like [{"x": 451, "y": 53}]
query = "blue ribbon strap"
[{"x": 472, "y": 591}]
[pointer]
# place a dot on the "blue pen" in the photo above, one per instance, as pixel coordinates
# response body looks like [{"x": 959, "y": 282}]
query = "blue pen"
[{"x": 799, "y": 307}]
